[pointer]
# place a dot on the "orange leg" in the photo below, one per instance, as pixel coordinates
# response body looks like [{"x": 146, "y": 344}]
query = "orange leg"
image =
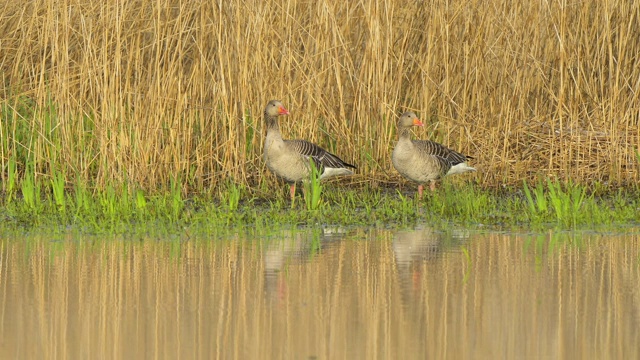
[
  {"x": 420, "y": 189},
  {"x": 432, "y": 186},
  {"x": 293, "y": 192}
]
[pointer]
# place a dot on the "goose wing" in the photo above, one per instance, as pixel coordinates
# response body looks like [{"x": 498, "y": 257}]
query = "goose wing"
[
  {"x": 320, "y": 156},
  {"x": 439, "y": 150}
]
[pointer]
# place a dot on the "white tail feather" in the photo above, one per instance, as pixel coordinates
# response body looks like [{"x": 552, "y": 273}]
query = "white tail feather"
[
  {"x": 460, "y": 168},
  {"x": 328, "y": 172}
]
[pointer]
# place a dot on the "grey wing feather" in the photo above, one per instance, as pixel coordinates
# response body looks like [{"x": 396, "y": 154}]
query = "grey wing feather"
[
  {"x": 436, "y": 149},
  {"x": 443, "y": 163},
  {"x": 319, "y": 155}
]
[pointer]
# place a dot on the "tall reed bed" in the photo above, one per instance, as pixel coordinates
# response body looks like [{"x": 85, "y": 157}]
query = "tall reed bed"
[{"x": 138, "y": 92}]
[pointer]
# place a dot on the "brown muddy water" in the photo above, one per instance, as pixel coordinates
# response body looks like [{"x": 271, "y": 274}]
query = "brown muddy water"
[{"x": 323, "y": 294}]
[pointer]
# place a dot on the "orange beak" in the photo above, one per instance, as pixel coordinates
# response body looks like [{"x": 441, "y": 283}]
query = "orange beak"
[
  {"x": 417, "y": 122},
  {"x": 283, "y": 111}
]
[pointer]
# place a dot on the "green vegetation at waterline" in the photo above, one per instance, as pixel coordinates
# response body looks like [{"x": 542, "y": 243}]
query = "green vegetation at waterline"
[
  {"x": 48, "y": 205},
  {"x": 313, "y": 189}
]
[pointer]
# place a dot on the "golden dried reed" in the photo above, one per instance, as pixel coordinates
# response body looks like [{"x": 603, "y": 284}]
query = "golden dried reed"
[{"x": 144, "y": 91}]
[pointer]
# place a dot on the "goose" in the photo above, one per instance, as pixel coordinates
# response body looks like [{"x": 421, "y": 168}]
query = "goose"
[
  {"x": 290, "y": 159},
  {"x": 424, "y": 160}
]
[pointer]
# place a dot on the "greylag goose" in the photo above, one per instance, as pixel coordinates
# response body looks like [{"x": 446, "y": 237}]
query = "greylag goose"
[
  {"x": 424, "y": 160},
  {"x": 290, "y": 159}
]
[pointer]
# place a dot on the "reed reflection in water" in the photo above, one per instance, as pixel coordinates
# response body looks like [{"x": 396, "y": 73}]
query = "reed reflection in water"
[{"x": 325, "y": 294}]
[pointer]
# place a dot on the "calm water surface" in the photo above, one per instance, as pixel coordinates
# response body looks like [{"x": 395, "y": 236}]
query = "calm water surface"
[{"x": 323, "y": 294}]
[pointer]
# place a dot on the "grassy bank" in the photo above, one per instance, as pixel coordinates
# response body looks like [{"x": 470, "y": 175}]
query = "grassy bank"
[
  {"x": 546, "y": 204},
  {"x": 140, "y": 93}
]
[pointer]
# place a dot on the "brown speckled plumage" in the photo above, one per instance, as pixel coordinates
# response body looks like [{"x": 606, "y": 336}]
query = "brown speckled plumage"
[
  {"x": 290, "y": 159},
  {"x": 424, "y": 161}
]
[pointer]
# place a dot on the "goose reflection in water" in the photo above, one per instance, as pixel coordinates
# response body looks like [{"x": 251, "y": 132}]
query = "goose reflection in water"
[
  {"x": 418, "y": 249},
  {"x": 291, "y": 247},
  {"x": 412, "y": 248}
]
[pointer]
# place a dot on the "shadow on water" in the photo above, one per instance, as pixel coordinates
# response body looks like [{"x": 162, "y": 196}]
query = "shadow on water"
[{"x": 323, "y": 293}]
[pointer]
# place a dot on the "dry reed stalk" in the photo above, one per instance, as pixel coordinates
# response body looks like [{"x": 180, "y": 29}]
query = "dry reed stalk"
[{"x": 144, "y": 91}]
